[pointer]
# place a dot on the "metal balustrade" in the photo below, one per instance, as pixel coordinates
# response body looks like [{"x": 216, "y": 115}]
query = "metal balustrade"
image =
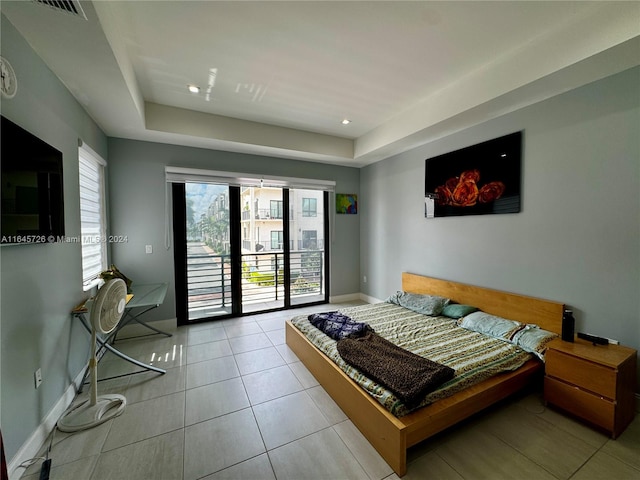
[{"x": 209, "y": 280}]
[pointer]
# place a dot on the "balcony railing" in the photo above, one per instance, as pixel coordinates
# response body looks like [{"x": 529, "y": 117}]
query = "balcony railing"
[
  {"x": 261, "y": 214},
  {"x": 209, "y": 280},
  {"x": 208, "y": 285},
  {"x": 266, "y": 246}
]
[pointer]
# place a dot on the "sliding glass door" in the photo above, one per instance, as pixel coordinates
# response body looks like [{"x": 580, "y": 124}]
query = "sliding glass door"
[
  {"x": 247, "y": 249},
  {"x": 307, "y": 255},
  {"x": 263, "y": 252},
  {"x": 202, "y": 240}
]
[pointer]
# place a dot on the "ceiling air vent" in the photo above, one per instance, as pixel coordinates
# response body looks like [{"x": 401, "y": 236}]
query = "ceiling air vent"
[{"x": 71, "y": 7}]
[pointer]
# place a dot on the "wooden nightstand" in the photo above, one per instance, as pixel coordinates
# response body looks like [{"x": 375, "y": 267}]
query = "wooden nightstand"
[{"x": 595, "y": 383}]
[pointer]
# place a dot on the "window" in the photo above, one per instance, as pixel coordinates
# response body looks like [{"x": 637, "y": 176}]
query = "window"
[
  {"x": 92, "y": 216},
  {"x": 309, "y": 239},
  {"x": 276, "y": 208},
  {"x": 277, "y": 240},
  {"x": 309, "y": 207}
]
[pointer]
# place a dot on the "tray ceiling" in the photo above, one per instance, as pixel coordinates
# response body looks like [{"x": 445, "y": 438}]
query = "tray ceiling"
[{"x": 278, "y": 78}]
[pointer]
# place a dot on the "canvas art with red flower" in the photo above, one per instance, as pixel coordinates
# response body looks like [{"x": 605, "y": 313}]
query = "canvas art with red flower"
[{"x": 476, "y": 180}]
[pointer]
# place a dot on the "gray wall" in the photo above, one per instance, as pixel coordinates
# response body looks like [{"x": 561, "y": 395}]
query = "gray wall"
[
  {"x": 577, "y": 238},
  {"x": 137, "y": 209},
  {"x": 40, "y": 284}
]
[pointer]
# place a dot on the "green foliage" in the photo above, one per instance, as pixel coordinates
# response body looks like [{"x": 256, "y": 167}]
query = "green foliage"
[
  {"x": 302, "y": 285},
  {"x": 311, "y": 261},
  {"x": 263, "y": 279}
]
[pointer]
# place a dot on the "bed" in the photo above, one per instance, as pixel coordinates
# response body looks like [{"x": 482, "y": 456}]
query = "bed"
[{"x": 391, "y": 435}]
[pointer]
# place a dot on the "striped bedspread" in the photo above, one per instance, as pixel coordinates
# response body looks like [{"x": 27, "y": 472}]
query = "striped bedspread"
[{"x": 473, "y": 356}]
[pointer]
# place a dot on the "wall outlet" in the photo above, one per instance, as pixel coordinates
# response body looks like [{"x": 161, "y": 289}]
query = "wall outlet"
[
  {"x": 37, "y": 377},
  {"x": 364, "y": 279},
  {"x": 148, "y": 248}
]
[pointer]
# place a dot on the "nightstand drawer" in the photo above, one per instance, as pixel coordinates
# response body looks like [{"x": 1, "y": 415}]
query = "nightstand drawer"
[
  {"x": 583, "y": 373},
  {"x": 593, "y": 408}
]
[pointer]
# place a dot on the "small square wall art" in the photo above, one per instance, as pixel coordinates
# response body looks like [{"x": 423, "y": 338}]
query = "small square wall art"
[{"x": 346, "y": 203}]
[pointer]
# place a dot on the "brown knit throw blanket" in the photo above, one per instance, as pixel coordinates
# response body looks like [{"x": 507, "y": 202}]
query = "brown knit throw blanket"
[{"x": 409, "y": 376}]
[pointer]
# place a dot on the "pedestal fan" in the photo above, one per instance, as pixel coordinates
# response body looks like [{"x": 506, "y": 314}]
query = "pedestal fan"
[{"x": 105, "y": 312}]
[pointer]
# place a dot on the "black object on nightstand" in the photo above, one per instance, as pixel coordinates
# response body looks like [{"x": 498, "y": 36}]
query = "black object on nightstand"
[
  {"x": 568, "y": 325},
  {"x": 593, "y": 338}
]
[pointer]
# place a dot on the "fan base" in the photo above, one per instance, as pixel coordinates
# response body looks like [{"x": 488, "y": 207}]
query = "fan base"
[{"x": 85, "y": 416}]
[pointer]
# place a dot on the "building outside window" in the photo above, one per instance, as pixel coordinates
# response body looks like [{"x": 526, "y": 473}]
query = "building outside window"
[
  {"x": 309, "y": 207},
  {"x": 277, "y": 239},
  {"x": 276, "y": 208}
]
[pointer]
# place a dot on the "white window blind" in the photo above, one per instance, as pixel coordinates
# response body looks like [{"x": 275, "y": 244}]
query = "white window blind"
[
  {"x": 183, "y": 175},
  {"x": 92, "y": 216},
  {"x": 195, "y": 175}
]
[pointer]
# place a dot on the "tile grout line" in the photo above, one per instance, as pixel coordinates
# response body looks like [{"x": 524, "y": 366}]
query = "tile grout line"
[{"x": 253, "y": 413}]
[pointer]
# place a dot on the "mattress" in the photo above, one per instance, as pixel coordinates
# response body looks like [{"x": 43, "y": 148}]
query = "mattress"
[{"x": 474, "y": 356}]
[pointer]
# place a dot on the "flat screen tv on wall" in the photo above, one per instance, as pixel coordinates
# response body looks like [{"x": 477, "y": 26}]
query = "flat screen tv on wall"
[
  {"x": 31, "y": 188},
  {"x": 477, "y": 180}
]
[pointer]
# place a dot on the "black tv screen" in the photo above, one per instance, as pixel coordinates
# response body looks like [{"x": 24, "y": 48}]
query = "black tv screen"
[
  {"x": 476, "y": 180},
  {"x": 31, "y": 188}
]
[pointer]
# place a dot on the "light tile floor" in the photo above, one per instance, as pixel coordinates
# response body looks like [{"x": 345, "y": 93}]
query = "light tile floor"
[{"x": 236, "y": 403}]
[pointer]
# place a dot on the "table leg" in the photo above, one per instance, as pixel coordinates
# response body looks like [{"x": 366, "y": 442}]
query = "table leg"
[
  {"x": 128, "y": 317},
  {"x": 102, "y": 344}
]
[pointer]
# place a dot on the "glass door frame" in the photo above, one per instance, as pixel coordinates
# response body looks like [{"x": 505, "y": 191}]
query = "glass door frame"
[
  {"x": 180, "y": 255},
  {"x": 179, "y": 200}
]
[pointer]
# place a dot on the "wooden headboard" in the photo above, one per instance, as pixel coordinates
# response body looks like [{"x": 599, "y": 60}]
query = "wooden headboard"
[{"x": 544, "y": 313}]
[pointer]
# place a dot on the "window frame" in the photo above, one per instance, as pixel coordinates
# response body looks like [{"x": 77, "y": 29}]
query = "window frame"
[
  {"x": 279, "y": 243},
  {"x": 306, "y": 238},
  {"x": 309, "y": 207},
  {"x": 276, "y": 209}
]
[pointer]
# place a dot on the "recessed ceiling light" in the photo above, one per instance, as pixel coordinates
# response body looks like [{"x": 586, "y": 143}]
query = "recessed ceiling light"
[
  {"x": 346, "y": 121},
  {"x": 193, "y": 88}
]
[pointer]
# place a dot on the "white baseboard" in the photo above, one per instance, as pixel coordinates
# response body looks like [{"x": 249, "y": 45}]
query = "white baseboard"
[
  {"x": 353, "y": 296},
  {"x": 344, "y": 298},
  {"x": 368, "y": 299},
  {"x": 135, "y": 329},
  {"x": 34, "y": 443}
]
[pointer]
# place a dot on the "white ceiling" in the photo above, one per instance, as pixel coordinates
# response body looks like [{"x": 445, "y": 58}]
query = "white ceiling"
[{"x": 287, "y": 73}]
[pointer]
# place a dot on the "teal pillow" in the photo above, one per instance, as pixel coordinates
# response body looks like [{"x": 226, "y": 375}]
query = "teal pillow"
[{"x": 456, "y": 310}]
